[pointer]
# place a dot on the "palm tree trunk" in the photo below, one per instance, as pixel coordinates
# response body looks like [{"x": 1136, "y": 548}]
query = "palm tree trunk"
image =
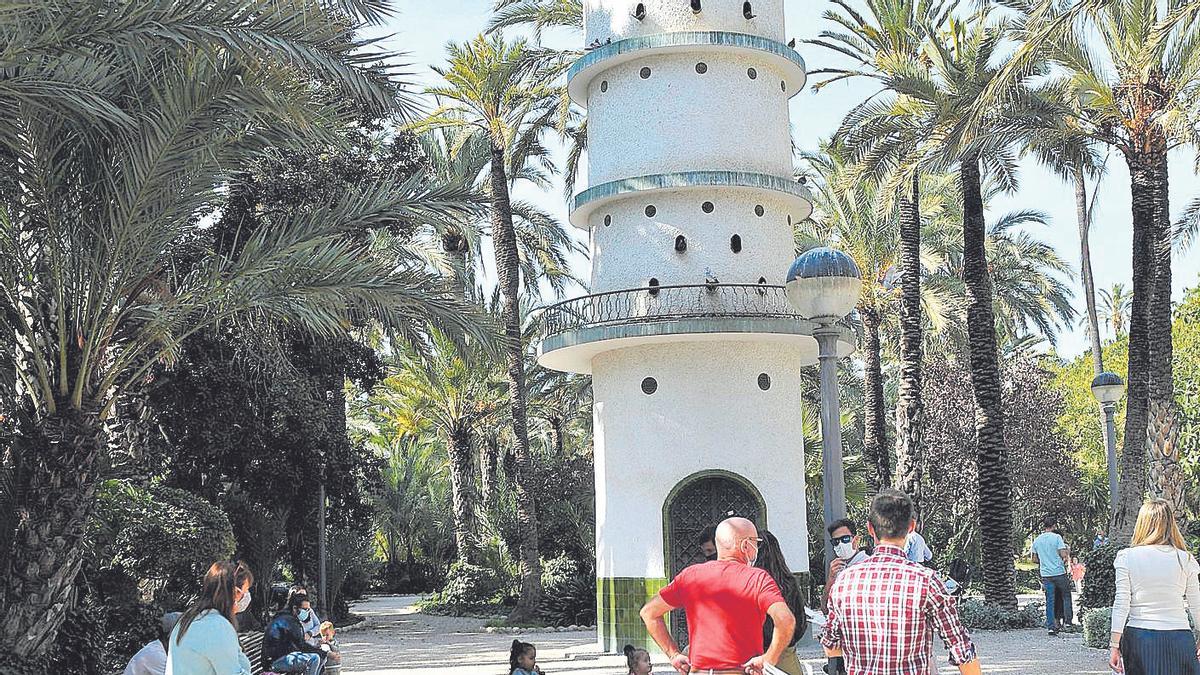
[
  {"x": 1084, "y": 219},
  {"x": 910, "y": 407},
  {"x": 1166, "y": 474},
  {"x": 489, "y": 456},
  {"x": 504, "y": 238},
  {"x": 560, "y": 436},
  {"x": 461, "y": 493},
  {"x": 874, "y": 418},
  {"x": 1132, "y": 486},
  {"x": 995, "y": 490},
  {"x": 56, "y": 484}
]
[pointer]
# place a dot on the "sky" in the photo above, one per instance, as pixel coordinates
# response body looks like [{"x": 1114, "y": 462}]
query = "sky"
[{"x": 421, "y": 29}]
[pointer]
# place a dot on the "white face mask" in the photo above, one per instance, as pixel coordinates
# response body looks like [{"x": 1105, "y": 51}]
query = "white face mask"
[
  {"x": 242, "y": 604},
  {"x": 751, "y": 561},
  {"x": 844, "y": 551}
]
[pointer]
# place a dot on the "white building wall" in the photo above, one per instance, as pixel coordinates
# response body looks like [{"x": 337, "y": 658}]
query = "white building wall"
[
  {"x": 680, "y": 120},
  {"x": 707, "y": 413},
  {"x": 605, "y": 19},
  {"x": 634, "y": 247}
]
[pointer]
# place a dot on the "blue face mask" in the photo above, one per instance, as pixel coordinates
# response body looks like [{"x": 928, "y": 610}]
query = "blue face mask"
[{"x": 303, "y": 616}]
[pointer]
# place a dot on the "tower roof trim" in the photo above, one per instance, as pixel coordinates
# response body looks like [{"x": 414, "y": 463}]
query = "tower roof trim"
[{"x": 607, "y": 56}]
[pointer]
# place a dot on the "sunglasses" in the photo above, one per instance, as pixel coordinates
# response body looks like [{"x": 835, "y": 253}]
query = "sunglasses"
[{"x": 842, "y": 540}]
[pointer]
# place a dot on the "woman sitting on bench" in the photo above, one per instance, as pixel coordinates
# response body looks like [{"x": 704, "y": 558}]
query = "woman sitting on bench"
[{"x": 284, "y": 648}]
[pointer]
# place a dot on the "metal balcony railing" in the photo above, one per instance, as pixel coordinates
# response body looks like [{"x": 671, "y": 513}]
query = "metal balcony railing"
[{"x": 668, "y": 303}]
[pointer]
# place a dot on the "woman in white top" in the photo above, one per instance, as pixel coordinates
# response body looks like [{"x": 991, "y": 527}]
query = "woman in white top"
[
  {"x": 1157, "y": 587},
  {"x": 205, "y": 640}
]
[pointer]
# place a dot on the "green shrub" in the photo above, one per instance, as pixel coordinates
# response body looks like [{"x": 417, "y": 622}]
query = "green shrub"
[
  {"x": 159, "y": 534},
  {"x": 1100, "y": 581},
  {"x": 987, "y": 616},
  {"x": 569, "y": 593},
  {"x": 468, "y": 584},
  {"x": 1097, "y": 627}
]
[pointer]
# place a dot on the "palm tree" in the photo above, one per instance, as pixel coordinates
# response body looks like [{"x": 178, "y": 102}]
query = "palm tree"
[
  {"x": 545, "y": 244},
  {"x": 450, "y": 388},
  {"x": 119, "y": 130},
  {"x": 495, "y": 89},
  {"x": 1135, "y": 92},
  {"x": 1114, "y": 310},
  {"x": 538, "y": 14},
  {"x": 944, "y": 92},
  {"x": 890, "y": 33}
]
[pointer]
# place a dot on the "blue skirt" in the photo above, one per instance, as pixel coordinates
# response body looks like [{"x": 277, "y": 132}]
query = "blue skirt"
[{"x": 1159, "y": 652}]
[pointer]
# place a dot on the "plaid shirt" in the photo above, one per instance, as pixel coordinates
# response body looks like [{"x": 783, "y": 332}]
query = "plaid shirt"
[{"x": 882, "y": 613}]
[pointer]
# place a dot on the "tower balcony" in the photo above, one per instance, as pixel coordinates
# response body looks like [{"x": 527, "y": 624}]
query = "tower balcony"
[{"x": 574, "y": 331}]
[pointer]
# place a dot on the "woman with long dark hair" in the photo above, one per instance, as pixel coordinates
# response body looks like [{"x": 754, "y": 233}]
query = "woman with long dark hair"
[
  {"x": 205, "y": 641},
  {"x": 770, "y": 558}
]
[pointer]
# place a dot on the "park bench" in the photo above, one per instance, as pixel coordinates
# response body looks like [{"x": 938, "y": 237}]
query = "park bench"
[{"x": 251, "y": 644}]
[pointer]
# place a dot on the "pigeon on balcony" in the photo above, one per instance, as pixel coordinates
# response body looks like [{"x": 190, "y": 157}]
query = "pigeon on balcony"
[{"x": 710, "y": 279}]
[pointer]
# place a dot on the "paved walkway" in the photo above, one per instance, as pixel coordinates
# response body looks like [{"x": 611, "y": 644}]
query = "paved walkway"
[{"x": 403, "y": 641}]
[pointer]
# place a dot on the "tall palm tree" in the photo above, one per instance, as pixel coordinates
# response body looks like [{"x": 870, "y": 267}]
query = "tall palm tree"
[
  {"x": 545, "y": 245},
  {"x": 1135, "y": 91},
  {"x": 887, "y": 34},
  {"x": 962, "y": 63},
  {"x": 119, "y": 130},
  {"x": 451, "y": 389},
  {"x": 1114, "y": 309},
  {"x": 496, "y": 89}
]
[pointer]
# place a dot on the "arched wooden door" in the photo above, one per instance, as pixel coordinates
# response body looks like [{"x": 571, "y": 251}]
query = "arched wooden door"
[{"x": 696, "y": 503}]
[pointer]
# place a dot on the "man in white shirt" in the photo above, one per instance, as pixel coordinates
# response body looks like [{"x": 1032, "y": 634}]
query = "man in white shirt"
[
  {"x": 915, "y": 547},
  {"x": 1052, "y": 554},
  {"x": 152, "y": 659}
]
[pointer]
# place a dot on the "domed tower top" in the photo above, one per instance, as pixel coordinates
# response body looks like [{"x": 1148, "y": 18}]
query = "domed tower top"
[{"x": 614, "y": 20}]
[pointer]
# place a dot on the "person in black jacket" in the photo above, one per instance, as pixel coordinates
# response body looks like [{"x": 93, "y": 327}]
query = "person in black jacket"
[{"x": 284, "y": 647}]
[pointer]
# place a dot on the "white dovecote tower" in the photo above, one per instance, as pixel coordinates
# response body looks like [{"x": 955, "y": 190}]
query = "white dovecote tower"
[{"x": 694, "y": 350}]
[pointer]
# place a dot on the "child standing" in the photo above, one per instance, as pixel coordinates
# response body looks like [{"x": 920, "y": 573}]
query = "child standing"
[
  {"x": 638, "y": 659},
  {"x": 522, "y": 659}
]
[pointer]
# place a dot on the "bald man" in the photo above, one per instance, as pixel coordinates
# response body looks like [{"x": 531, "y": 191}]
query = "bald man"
[{"x": 726, "y": 601}]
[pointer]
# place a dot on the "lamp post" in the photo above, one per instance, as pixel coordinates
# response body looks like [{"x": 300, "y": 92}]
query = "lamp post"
[
  {"x": 1108, "y": 388},
  {"x": 823, "y": 284}
]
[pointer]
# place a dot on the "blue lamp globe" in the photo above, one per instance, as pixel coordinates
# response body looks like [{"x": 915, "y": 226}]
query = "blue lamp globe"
[
  {"x": 823, "y": 284},
  {"x": 1108, "y": 387}
]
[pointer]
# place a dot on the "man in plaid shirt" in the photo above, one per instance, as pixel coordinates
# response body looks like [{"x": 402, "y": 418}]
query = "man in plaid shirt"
[{"x": 883, "y": 611}]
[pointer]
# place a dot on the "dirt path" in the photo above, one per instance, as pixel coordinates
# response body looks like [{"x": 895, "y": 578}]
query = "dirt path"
[{"x": 402, "y": 641}]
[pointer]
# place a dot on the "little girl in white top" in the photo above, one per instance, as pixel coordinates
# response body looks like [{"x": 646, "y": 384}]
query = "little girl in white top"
[{"x": 1158, "y": 585}]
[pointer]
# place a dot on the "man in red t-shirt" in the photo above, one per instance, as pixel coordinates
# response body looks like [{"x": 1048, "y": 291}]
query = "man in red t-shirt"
[{"x": 726, "y": 601}]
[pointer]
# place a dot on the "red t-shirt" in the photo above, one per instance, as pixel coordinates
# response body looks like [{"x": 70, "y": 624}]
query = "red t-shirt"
[{"x": 726, "y": 603}]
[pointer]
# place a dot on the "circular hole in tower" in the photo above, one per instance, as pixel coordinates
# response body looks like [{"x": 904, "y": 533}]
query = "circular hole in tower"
[
  {"x": 607, "y": 220},
  {"x": 753, "y": 73},
  {"x": 707, "y": 207},
  {"x": 702, "y": 68},
  {"x": 782, "y": 85},
  {"x": 649, "y": 386},
  {"x": 759, "y": 210},
  {"x": 680, "y": 244},
  {"x": 604, "y": 86},
  {"x": 645, "y": 73},
  {"x": 764, "y": 381},
  {"x": 735, "y": 243},
  {"x": 650, "y": 211}
]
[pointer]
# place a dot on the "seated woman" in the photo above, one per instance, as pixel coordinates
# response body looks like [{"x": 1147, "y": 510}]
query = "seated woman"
[{"x": 284, "y": 648}]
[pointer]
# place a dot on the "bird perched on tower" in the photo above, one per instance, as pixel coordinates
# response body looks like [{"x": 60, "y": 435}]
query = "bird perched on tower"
[{"x": 710, "y": 279}]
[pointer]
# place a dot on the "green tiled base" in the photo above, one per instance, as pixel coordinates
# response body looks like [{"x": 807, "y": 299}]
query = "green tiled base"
[{"x": 618, "y": 601}]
